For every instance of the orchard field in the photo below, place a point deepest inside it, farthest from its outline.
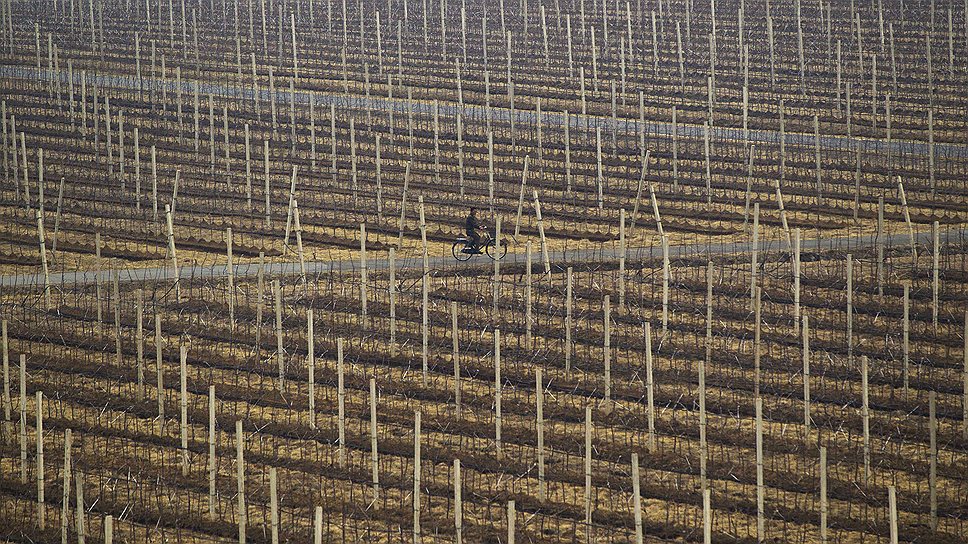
(733, 307)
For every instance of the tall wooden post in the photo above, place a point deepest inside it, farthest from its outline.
(496, 279)
(760, 488)
(7, 406)
(498, 385)
(935, 266)
(183, 407)
(374, 452)
(892, 509)
(588, 473)
(280, 351)
(666, 278)
(754, 253)
(340, 404)
(458, 513)
(159, 373)
(43, 257)
(964, 380)
(850, 308)
(539, 428)
(39, 469)
(363, 276)
(455, 358)
(636, 499)
(212, 459)
(806, 378)
(568, 319)
(650, 386)
(392, 288)
(66, 485)
(865, 416)
(933, 459)
(240, 480)
(796, 280)
(416, 477)
(823, 495)
(230, 277)
(528, 303)
(273, 506)
(607, 347)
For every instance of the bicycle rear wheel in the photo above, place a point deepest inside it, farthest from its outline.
(458, 251)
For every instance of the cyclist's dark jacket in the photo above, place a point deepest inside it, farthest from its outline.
(472, 225)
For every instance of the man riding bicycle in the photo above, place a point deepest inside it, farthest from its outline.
(471, 226)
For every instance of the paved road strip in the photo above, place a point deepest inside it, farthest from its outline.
(473, 111)
(314, 268)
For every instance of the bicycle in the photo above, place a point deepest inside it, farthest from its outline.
(463, 250)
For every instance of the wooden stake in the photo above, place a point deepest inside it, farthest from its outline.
(850, 308)
(650, 386)
(607, 348)
(528, 311)
(539, 428)
(171, 251)
(280, 352)
(636, 499)
(906, 335)
(311, 364)
(568, 319)
(159, 372)
(39, 470)
(458, 513)
(707, 517)
(823, 494)
(796, 280)
(363, 276)
(23, 418)
(666, 278)
(545, 258)
(183, 407)
(588, 473)
(416, 477)
(806, 378)
(393, 301)
(512, 515)
(935, 265)
(621, 258)
(43, 257)
(760, 488)
(374, 456)
(273, 506)
(66, 485)
(7, 406)
(212, 459)
(865, 415)
(524, 181)
(230, 273)
(933, 458)
(80, 515)
(341, 404)
(498, 384)
(892, 508)
(240, 480)
(964, 380)
(907, 219)
(754, 253)
(496, 278)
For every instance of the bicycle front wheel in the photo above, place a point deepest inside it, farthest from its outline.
(492, 250)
